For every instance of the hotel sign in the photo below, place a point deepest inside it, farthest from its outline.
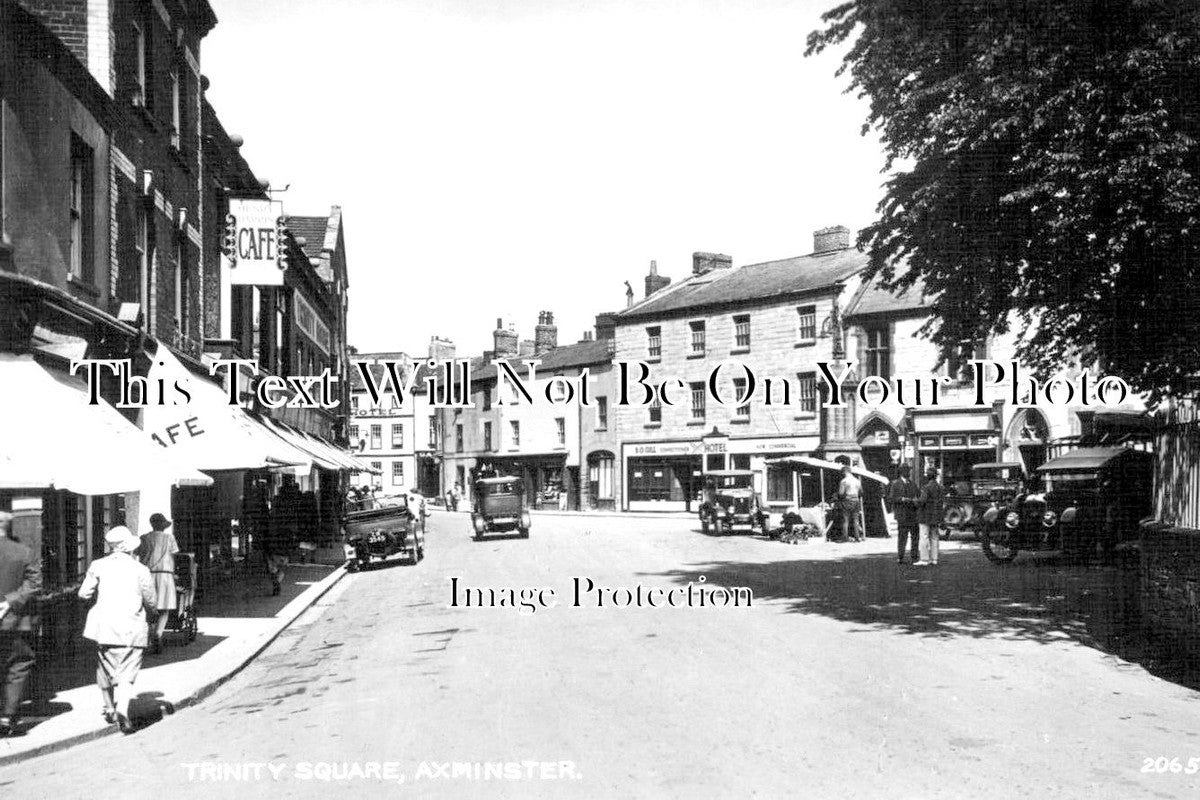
(253, 243)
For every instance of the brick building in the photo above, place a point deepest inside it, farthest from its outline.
(778, 318)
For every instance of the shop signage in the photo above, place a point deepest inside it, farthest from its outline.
(253, 234)
(667, 449)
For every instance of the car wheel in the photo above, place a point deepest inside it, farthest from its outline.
(996, 551)
(524, 533)
(719, 528)
(704, 525)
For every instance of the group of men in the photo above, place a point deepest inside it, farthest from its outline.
(918, 512)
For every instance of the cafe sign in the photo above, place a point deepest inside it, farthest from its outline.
(253, 243)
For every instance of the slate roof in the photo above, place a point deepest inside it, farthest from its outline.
(313, 230)
(752, 282)
(568, 356)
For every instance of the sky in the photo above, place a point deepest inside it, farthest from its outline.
(496, 159)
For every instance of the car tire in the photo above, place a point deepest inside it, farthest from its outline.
(996, 552)
(704, 525)
(524, 533)
(719, 528)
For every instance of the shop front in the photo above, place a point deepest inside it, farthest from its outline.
(669, 475)
(549, 482)
(954, 441)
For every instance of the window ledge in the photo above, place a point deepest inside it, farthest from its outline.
(811, 343)
(806, 416)
(696, 355)
(737, 351)
(654, 360)
(652, 425)
(697, 423)
(739, 421)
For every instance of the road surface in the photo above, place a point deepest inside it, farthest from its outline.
(849, 676)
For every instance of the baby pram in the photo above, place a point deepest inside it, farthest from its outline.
(183, 618)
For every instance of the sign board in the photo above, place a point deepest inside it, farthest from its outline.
(253, 233)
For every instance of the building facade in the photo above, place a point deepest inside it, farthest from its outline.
(766, 326)
(382, 429)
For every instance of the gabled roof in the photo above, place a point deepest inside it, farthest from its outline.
(752, 282)
(872, 298)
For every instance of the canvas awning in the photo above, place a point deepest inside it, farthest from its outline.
(50, 436)
(206, 431)
(347, 459)
(817, 463)
(315, 455)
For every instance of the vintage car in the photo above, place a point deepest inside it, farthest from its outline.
(377, 529)
(730, 503)
(991, 484)
(500, 506)
(1092, 499)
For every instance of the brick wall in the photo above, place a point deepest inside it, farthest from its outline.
(68, 19)
(1170, 590)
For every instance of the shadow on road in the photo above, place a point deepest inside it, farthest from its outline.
(1037, 598)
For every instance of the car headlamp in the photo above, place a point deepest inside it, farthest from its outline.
(1012, 519)
(1049, 519)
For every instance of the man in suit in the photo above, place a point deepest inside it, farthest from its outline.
(20, 580)
(902, 494)
(929, 516)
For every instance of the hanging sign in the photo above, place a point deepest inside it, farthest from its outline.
(253, 243)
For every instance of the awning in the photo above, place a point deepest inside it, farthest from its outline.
(817, 463)
(50, 436)
(315, 456)
(347, 459)
(206, 431)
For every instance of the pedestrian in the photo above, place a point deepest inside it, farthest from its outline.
(850, 501)
(929, 516)
(277, 550)
(157, 552)
(903, 494)
(124, 594)
(20, 580)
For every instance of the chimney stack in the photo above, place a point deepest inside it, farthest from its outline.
(829, 240)
(545, 335)
(654, 281)
(707, 262)
(441, 349)
(505, 340)
(606, 325)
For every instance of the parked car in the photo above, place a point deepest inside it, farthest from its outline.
(730, 503)
(1093, 498)
(991, 484)
(500, 506)
(379, 528)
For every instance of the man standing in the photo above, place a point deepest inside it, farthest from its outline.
(929, 516)
(20, 580)
(124, 593)
(850, 499)
(157, 552)
(902, 494)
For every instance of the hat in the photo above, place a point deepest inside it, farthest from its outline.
(122, 539)
(159, 522)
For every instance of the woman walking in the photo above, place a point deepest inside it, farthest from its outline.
(124, 593)
(158, 552)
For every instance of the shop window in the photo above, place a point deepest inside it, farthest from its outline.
(741, 412)
(806, 392)
(879, 351)
(487, 435)
(740, 460)
(376, 437)
(779, 485)
(697, 389)
(82, 180)
(561, 425)
(806, 324)
(516, 433)
(741, 332)
(654, 342)
(397, 473)
(398, 437)
(601, 413)
(698, 337)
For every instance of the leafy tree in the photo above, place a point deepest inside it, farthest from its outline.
(1045, 161)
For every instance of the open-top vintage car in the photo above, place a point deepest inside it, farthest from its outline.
(991, 484)
(731, 504)
(500, 506)
(377, 529)
(1093, 498)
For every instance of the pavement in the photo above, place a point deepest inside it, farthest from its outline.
(241, 618)
(848, 676)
